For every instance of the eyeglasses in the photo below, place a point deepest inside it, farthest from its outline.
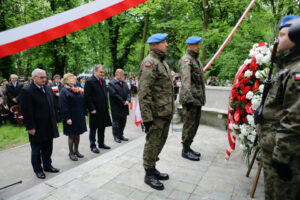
(42, 77)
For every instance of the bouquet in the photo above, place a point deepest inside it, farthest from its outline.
(245, 98)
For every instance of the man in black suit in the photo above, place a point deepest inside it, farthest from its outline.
(40, 117)
(95, 93)
(56, 86)
(120, 98)
(13, 90)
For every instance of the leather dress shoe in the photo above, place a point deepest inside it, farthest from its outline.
(40, 175)
(79, 155)
(195, 153)
(151, 180)
(189, 155)
(73, 157)
(95, 150)
(123, 138)
(117, 139)
(52, 170)
(161, 176)
(104, 146)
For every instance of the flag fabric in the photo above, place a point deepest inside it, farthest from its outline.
(39, 32)
(138, 115)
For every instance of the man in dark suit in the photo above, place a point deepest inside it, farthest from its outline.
(13, 90)
(120, 98)
(56, 86)
(40, 117)
(95, 93)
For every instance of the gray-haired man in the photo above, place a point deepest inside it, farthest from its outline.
(40, 117)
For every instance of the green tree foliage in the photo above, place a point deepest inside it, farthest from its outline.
(118, 41)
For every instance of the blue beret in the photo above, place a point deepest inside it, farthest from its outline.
(156, 38)
(284, 21)
(193, 40)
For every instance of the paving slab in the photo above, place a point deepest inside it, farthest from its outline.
(119, 174)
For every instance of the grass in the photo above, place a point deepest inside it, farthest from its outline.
(12, 135)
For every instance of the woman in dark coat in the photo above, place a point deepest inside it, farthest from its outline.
(73, 114)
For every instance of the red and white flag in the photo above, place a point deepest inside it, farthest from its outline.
(138, 115)
(36, 33)
(54, 89)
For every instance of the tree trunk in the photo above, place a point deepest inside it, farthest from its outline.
(114, 37)
(205, 24)
(6, 63)
(144, 36)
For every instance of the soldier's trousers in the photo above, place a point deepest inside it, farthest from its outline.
(191, 121)
(277, 189)
(155, 141)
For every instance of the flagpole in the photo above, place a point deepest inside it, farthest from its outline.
(229, 36)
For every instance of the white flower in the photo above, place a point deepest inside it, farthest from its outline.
(256, 100)
(243, 147)
(259, 74)
(248, 73)
(259, 58)
(247, 61)
(253, 53)
(261, 88)
(250, 120)
(266, 59)
(249, 95)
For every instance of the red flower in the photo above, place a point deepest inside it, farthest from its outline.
(244, 99)
(240, 76)
(244, 120)
(243, 112)
(234, 94)
(253, 67)
(254, 60)
(261, 44)
(238, 107)
(248, 108)
(237, 116)
(236, 86)
(255, 86)
(246, 90)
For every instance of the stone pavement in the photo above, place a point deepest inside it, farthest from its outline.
(119, 174)
(15, 162)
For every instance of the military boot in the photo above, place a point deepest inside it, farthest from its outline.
(152, 181)
(186, 153)
(195, 152)
(160, 176)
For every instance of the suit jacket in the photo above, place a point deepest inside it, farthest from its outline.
(13, 92)
(96, 99)
(118, 94)
(39, 112)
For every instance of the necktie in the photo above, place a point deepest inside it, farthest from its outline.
(100, 82)
(43, 89)
(120, 83)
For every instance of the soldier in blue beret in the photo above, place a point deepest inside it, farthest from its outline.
(192, 95)
(156, 104)
(280, 129)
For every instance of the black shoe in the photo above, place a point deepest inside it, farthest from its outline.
(189, 155)
(117, 139)
(104, 146)
(79, 155)
(40, 175)
(95, 150)
(161, 176)
(195, 153)
(123, 138)
(73, 157)
(151, 180)
(52, 170)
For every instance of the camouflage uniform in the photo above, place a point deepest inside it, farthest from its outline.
(156, 103)
(280, 131)
(192, 91)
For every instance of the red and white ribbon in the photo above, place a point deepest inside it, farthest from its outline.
(229, 36)
(138, 115)
(30, 35)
